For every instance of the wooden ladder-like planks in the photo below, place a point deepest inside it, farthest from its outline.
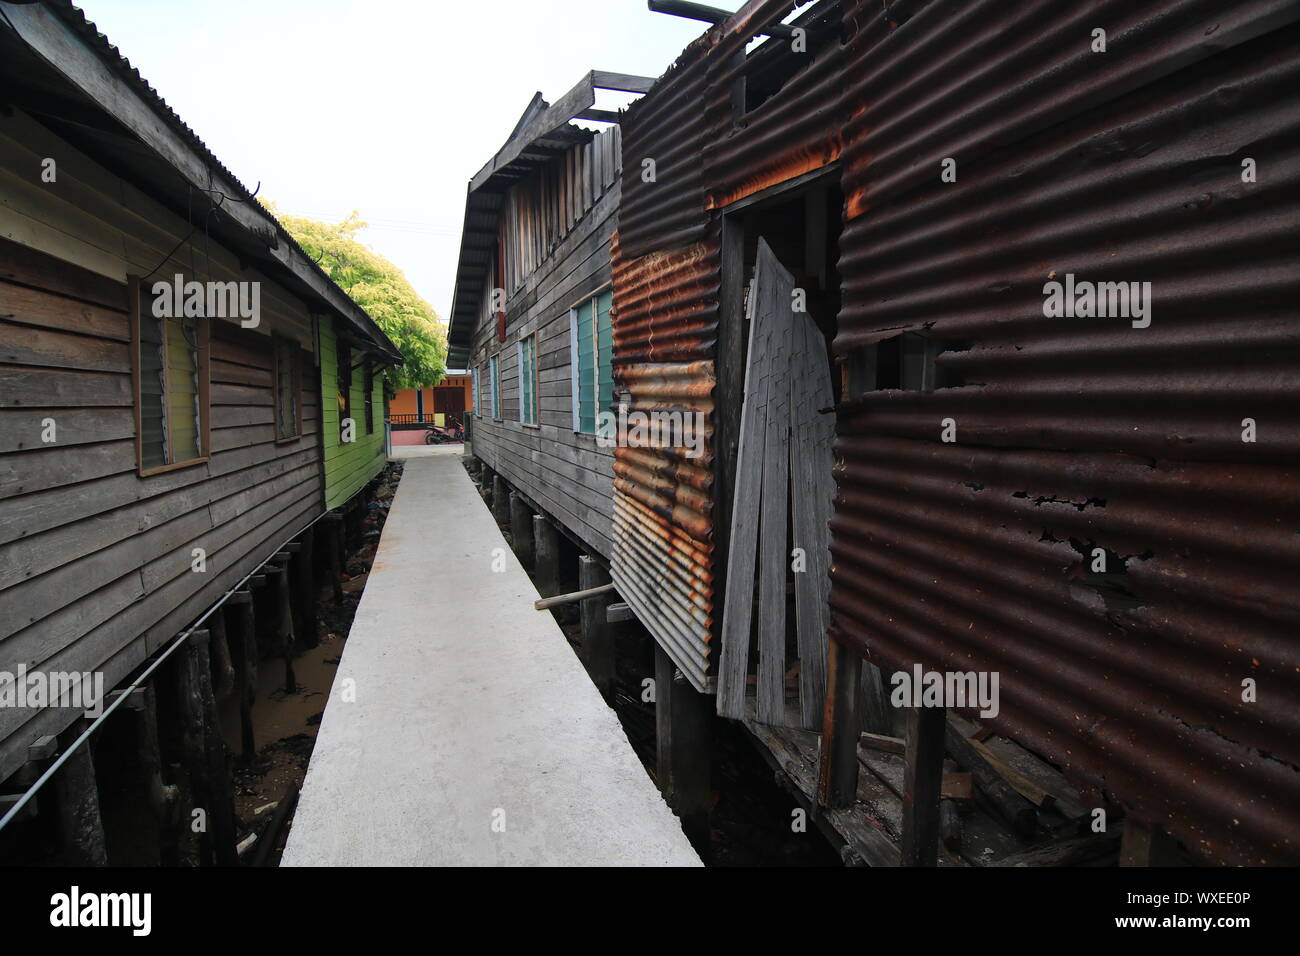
(785, 441)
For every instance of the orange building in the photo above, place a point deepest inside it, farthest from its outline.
(452, 398)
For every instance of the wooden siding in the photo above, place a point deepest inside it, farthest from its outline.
(95, 561)
(348, 467)
(562, 472)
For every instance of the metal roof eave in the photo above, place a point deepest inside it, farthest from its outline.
(71, 47)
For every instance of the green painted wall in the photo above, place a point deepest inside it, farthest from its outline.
(348, 466)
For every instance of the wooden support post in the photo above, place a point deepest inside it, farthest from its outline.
(304, 578)
(521, 530)
(334, 545)
(837, 783)
(500, 501)
(80, 823)
(597, 633)
(163, 799)
(245, 654)
(682, 734)
(922, 776)
(949, 818)
(279, 569)
(877, 715)
(546, 555)
(205, 753)
(223, 672)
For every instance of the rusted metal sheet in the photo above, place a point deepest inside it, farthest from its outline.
(666, 127)
(665, 304)
(665, 329)
(1079, 434)
(796, 130)
(663, 518)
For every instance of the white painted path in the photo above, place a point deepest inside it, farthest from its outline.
(470, 707)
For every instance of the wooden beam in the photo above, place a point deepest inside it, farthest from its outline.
(623, 82)
(706, 14)
(545, 604)
(599, 116)
(922, 780)
(837, 784)
(1010, 805)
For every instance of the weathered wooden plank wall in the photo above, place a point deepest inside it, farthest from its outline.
(95, 561)
(561, 471)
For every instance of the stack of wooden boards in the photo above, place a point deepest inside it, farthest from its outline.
(783, 501)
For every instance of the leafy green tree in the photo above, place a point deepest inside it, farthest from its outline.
(382, 290)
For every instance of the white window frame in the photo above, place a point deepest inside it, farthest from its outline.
(519, 359)
(494, 385)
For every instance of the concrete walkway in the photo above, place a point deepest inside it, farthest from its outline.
(475, 737)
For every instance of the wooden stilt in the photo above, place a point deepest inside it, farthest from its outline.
(161, 799)
(279, 569)
(334, 545)
(682, 734)
(837, 784)
(305, 590)
(922, 776)
(223, 672)
(205, 752)
(500, 501)
(80, 823)
(546, 556)
(597, 633)
(521, 530)
(244, 642)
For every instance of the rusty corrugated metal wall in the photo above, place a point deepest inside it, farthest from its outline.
(1077, 434)
(796, 131)
(665, 334)
(1072, 434)
(666, 285)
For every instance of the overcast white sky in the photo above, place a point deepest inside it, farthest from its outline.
(384, 106)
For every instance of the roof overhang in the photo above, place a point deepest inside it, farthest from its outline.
(542, 133)
(57, 66)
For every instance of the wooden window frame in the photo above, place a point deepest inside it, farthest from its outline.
(343, 388)
(368, 401)
(537, 384)
(295, 373)
(203, 372)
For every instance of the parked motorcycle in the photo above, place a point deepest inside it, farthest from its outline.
(444, 434)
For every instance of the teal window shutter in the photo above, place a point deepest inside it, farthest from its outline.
(587, 361)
